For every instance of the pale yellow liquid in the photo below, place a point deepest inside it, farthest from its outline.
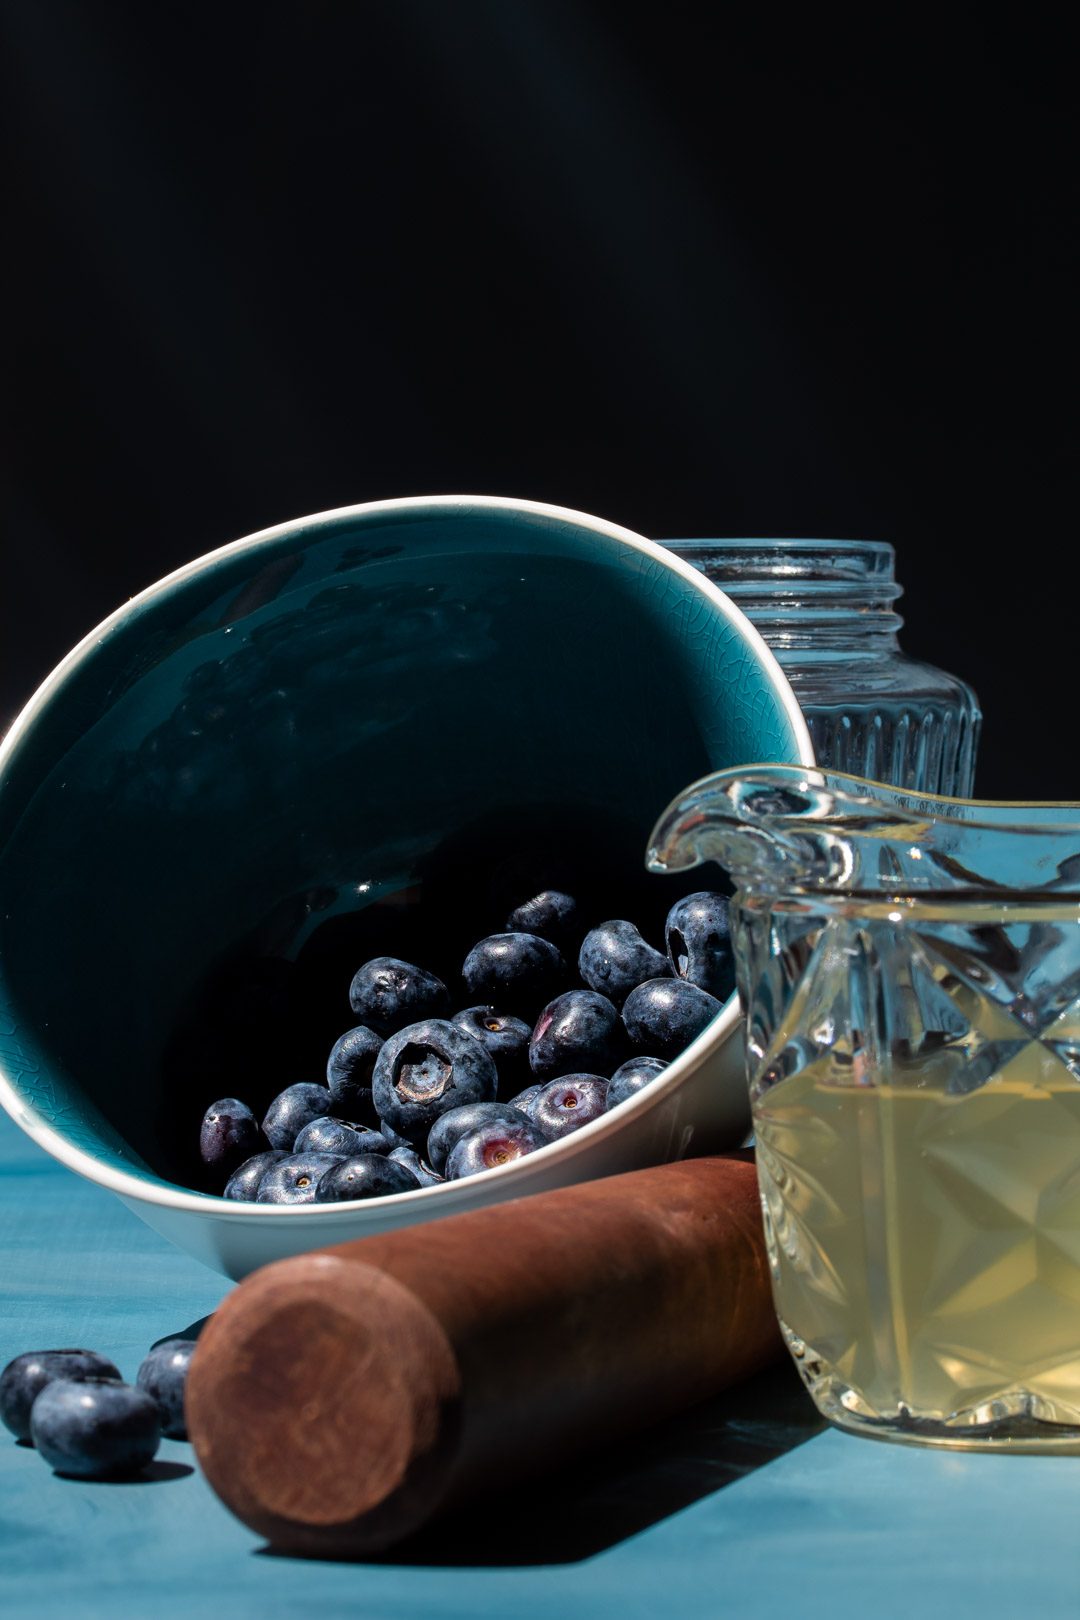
(925, 1247)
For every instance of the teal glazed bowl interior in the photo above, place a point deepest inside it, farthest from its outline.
(323, 743)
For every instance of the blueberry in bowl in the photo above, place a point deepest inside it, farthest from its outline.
(504, 1037)
(348, 1074)
(450, 1127)
(631, 1077)
(579, 1030)
(698, 939)
(551, 914)
(566, 1104)
(366, 1175)
(292, 829)
(425, 1070)
(662, 1016)
(338, 1136)
(614, 959)
(519, 971)
(292, 1109)
(387, 994)
(493, 1144)
(295, 1178)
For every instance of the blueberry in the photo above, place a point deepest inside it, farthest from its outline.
(698, 934)
(291, 1110)
(367, 1175)
(23, 1379)
(550, 914)
(614, 959)
(486, 1146)
(630, 1077)
(229, 1134)
(162, 1375)
(294, 1179)
(523, 1100)
(337, 1136)
(425, 1175)
(578, 1030)
(243, 1184)
(517, 971)
(505, 1038)
(566, 1104)
(348, 1074)
(392, 1139)
(387, 993)
(450, 1127)
(426, 1069)
(95, 1428)
(662, 1016)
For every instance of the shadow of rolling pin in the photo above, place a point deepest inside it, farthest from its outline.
(341, 1400)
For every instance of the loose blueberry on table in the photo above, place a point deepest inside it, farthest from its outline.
(162, 1375)
(23, 1380)
(81, 1417)
(95, 1428)
(417, 1094)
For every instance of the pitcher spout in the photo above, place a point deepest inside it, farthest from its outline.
(763, 823)
(784, 827)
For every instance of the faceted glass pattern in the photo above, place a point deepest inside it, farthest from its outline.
(913, 1053)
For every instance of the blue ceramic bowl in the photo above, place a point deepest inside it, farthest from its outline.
(320, 744)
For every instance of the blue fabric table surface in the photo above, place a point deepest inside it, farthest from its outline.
(745, 1507)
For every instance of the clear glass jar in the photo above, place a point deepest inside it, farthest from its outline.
(827, 610)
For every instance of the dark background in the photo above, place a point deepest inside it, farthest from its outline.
(741, 274)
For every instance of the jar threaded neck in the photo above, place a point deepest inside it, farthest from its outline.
(806, 593)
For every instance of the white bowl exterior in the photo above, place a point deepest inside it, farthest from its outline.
(702, 1109)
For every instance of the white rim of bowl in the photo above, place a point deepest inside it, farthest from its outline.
(129, 1184)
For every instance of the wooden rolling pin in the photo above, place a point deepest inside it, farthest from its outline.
(339, 1400)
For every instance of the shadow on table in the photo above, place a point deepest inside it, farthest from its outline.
(192, 1331)
(582, 1511)
(158, 1472)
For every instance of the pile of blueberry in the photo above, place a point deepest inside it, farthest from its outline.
(417, 1095)
(74, 1407)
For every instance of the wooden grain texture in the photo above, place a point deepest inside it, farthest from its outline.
(341, 1399)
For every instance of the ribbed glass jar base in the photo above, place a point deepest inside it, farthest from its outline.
(827, 610)
(927, 750)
